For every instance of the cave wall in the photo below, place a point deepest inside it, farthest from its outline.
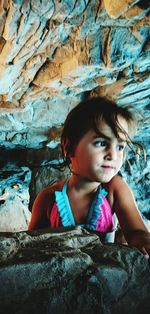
(52, 55)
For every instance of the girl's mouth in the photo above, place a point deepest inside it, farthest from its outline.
(108, 167)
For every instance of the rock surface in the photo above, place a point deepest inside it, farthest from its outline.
(14, 198)
(52, 52)
(71, 272)
(52, 55)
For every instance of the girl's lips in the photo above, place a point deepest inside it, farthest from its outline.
(108, 167)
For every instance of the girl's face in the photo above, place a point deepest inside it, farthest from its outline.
(98, 158)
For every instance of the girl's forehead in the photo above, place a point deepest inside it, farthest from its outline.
(105, 130)
(121, 123)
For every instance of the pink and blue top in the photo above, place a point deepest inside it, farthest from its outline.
(100, 216)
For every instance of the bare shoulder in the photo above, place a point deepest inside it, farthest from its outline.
(42, 205)
(48, 191)
(117, 186)
(115, 183)
(124, 205)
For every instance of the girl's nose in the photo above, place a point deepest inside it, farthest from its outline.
(111, 153)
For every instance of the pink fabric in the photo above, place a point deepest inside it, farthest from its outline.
(100, 216)
(55, 220)
(104, 222)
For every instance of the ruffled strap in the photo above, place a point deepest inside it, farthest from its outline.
(99, 216)
(95, 210)
(64, 207)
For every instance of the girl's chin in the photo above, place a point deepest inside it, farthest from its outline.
(106, 178)
(101, 177)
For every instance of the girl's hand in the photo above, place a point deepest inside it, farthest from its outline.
(141, 240)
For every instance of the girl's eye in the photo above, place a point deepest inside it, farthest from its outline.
(121, 147)
(100, 143)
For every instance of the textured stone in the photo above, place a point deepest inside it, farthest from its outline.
(127, 8)
(14, 198)
(71, 270)
(54, 53)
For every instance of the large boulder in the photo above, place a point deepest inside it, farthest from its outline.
(71, 271)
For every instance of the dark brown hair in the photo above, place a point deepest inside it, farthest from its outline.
(87, 115)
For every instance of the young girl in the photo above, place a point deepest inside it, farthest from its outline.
(94, 143)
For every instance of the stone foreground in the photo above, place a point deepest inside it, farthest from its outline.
(52, 55)
(71, 272)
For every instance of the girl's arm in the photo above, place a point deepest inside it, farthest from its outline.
(130, 220)
(39, 218)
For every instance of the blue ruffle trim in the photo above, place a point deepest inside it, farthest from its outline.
(66, 212)
(95, 209)
(64, 207)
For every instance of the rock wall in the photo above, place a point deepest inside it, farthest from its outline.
(71, 272)
(14, 198)
(52, 55)
(52, 52)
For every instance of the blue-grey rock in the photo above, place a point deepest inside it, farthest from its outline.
(14, 198)
(72, 272)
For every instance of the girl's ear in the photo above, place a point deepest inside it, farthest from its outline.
(65, 147)
(68, 149)
(72, 153)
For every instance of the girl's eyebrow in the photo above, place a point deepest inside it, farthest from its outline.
(102, 135)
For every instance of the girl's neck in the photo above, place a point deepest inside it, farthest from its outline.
(82, 185)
